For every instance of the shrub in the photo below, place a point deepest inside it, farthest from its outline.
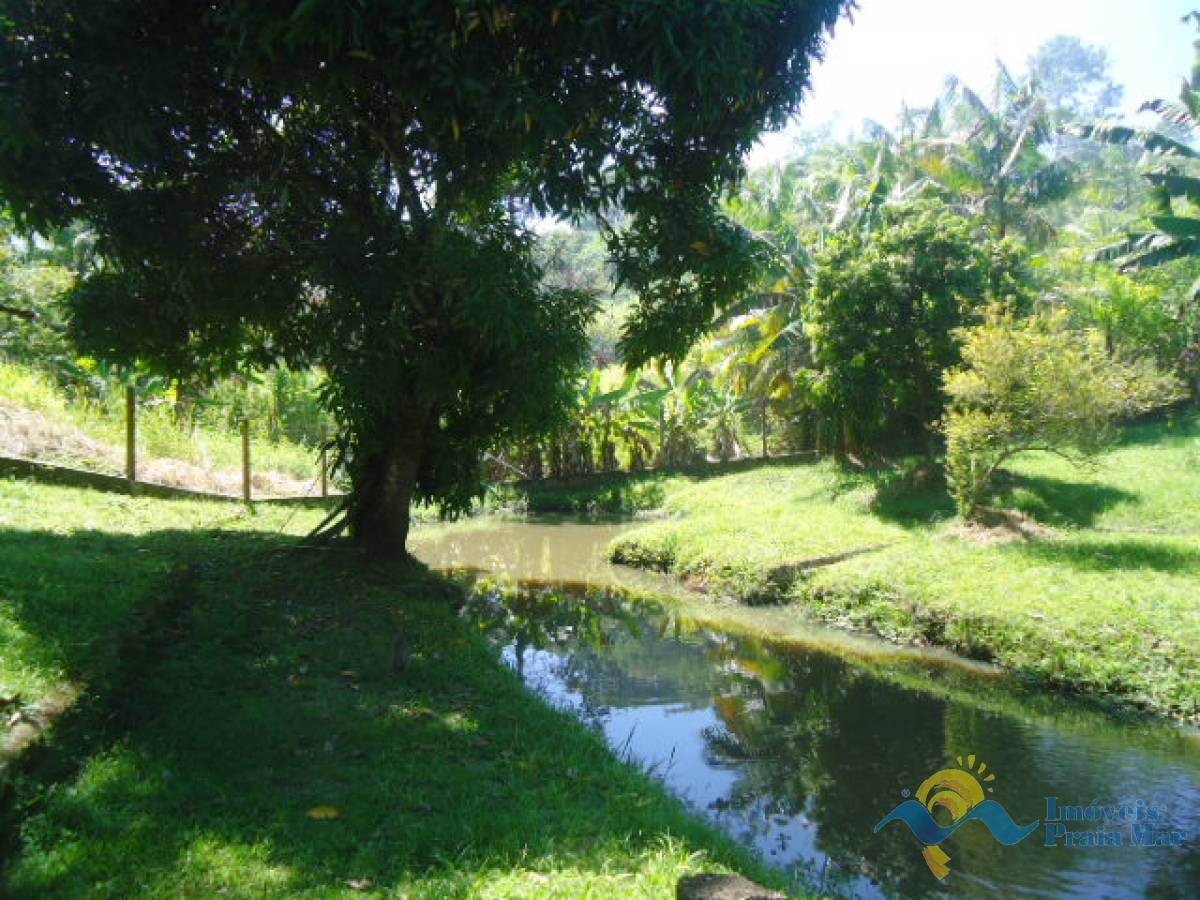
(1036, 385)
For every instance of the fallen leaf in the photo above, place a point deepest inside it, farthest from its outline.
(324, 812)
(360, 884)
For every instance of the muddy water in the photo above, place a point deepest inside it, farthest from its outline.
(799, 749)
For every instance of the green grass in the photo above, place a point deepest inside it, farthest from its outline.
(159, 435)
(75, 574)
(248, 682)
(1103, 599)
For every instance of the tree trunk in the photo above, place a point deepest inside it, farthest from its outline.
(379, 509)
(848, 444)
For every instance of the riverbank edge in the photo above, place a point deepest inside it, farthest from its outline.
(947, 676)
(883, 612)
(243, 580)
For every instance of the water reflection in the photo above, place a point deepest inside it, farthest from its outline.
(799, 753)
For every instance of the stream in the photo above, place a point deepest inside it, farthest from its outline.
(797, 748)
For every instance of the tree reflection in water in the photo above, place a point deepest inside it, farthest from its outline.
(799, 753)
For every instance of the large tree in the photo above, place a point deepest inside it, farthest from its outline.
(1075, 78)
(345, 183)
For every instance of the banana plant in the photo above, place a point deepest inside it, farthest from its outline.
(637, 423)
(985, 156)
(682, 409)
(1170, 152)
(605, 423)
(726, 408)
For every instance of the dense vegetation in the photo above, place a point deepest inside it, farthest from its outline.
(880, 256)
(873, 259)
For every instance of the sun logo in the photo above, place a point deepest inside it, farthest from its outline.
(961, 792)
(957, 791)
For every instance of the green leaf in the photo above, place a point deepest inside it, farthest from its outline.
(1177, 226)
(1121, 135)
(1176, 185)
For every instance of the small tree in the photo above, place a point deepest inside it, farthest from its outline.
(1036, 385)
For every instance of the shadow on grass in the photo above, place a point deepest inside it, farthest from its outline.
(911, 496)
(613, 493)
(907, 492)
(1110, 555)
(1160, 427)
(71, 597)
(262, 687)
(1055, 502)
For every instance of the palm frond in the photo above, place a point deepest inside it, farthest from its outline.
(1154, 142)
(1176, 185)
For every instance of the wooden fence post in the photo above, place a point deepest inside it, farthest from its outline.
(324, 466)
(764, 429)
(246, 459)
(130, 434)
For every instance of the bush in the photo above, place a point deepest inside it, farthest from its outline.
(884, 312)
(1037, 385)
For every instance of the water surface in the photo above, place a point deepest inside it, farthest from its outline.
(798, 750)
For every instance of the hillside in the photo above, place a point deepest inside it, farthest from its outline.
(242, 725)
(38, 423)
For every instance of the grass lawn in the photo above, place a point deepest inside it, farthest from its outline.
(1104, 598)
(245, 733)
(81, 569)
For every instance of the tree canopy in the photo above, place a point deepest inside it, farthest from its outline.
(348, 184)
(1075, 78)
(883, 311)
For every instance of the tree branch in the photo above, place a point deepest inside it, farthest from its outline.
(30, 316)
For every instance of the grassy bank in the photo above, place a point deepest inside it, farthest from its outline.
(38, 422)
(1093, 586)
(244, 730)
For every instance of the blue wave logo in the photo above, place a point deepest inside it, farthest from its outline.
(961, 793)
(994, 816)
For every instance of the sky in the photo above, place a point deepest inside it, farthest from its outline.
(897, 51)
